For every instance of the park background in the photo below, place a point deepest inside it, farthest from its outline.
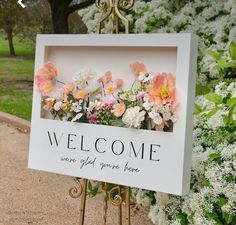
(212, 199)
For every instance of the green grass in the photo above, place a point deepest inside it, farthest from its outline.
(17, 69)
(17, 102)
(22, 48)
(15, 76)
(15, 93)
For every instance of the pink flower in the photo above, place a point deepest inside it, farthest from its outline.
(162, 91)
(137, 68)
(108, 102)
(108, 105)
(141, 94)
(92, 118)
(45, 78)
(119, 109)
(57, 106)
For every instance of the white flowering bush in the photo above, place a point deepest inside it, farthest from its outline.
(213, 21)
(212, 199)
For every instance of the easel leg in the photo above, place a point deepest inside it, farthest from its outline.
(120, 208)
(83, 202)
(127, 205)
(105, 204)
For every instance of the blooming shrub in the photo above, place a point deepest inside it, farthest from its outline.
(213, 22)
(212, 199)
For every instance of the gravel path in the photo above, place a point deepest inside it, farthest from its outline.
(39, 198)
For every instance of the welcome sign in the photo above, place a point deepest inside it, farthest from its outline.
(94, 128)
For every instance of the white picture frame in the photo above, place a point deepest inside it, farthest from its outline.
(166, 162)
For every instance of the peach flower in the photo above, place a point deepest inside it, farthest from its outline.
(162, 91)
(45, 78)
(80, 94)
(106, 78)
(119, 109)
(160, 127)
(118, 83)
(110, 89)
(68, 88)
(49, 104)
(137, 67)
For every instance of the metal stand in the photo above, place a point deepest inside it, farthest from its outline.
(114, 195)
(112, 8)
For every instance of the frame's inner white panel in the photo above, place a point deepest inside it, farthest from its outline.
(70, 59)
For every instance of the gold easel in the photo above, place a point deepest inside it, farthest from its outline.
(111, 8)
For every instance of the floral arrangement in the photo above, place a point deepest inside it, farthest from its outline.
(149, 104)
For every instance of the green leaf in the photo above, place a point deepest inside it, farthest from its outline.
(231, 103)
(214, 98)
(198, 109)
(90, 187)
(234, 155)
(230, 178)
(228, 217)
(212, 112)
(205, 182)
(214, 55)
(118, 123)
(211, 215)
(223, 64)
(232, 50)
(218, 222)
(182, 217)
(214, 156)
(221, 201)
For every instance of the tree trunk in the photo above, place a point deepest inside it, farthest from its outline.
(59, 17)
(9, 32)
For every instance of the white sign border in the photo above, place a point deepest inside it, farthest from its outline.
(186, 66)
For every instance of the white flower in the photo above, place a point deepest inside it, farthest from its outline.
(147, 105)
(91, 106)
(166, 112)
(77, 117)
(132, 98)
(83, 77)
(76, 107)
(145, 77)
(232, 89)
(158, 216)
(133, 117)
(156, 117)
(93, 86)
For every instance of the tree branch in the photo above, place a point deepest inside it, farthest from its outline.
(81, 5)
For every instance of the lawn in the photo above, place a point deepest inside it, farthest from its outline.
(16, 79)
(22, 49)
